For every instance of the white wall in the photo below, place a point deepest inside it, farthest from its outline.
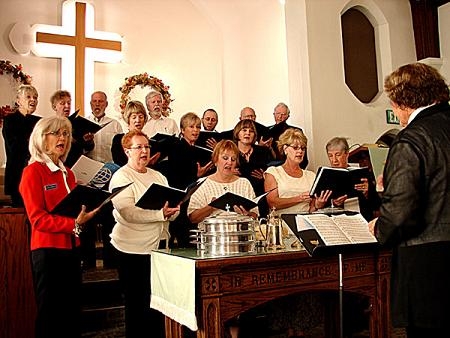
(212, 53)
(333, 110)
(228, 54)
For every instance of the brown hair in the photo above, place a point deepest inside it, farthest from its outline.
(134, 107)
(416, 85)
(188, 118)
(126, 139)
(223, 146)
(58, 95)
(244, 124)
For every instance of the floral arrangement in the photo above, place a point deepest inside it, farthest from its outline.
(4, 110)
(144, 80)
(15, 70)
(6, 67)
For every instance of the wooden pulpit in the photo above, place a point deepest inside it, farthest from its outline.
(17, 301)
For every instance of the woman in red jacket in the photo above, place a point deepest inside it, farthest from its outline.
(55, 259)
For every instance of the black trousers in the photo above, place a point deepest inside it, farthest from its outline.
(421, 332)
(140, 319)
(57, 286)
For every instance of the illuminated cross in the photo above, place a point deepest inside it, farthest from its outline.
(77, 32)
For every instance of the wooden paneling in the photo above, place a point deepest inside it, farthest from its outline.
(17, 302)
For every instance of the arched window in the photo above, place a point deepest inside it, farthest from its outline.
(360, 60)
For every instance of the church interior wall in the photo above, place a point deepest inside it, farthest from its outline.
(210, 53)
(335, 110)
(231, 54)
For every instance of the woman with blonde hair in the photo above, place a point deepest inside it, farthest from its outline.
(16, 131)
(55, 258)
(293, 183)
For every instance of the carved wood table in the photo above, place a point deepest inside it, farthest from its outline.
(228, 286)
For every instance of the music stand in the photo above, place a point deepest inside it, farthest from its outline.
(316, 247)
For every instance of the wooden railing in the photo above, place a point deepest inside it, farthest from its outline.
(17, 302)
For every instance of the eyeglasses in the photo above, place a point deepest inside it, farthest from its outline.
(59, 133)
(280, 114)
(296, 148)
(140, 147)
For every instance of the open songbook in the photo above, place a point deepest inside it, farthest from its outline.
(93, 179)
(157, 195)
(94, 173)
(321, 233)
(85, 169)
(229, 199)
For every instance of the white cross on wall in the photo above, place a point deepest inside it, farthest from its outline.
(78, 46)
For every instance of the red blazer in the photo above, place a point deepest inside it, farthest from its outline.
(41, 191)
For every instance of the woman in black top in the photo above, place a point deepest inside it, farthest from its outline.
(136, 116)
(253, 159)
(185, 166)
(17, 128)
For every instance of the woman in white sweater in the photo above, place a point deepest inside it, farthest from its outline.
(225, 158)
(136, 233)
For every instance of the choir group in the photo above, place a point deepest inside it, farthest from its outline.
(247, 160)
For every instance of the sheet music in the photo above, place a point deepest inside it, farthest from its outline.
(337, 230)
(355, 227)
(85, 169)
(327, 229)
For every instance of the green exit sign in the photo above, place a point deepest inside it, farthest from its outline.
(391, 118)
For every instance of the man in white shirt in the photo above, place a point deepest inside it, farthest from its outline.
(158, 123)
(103, 138)
(102, 153)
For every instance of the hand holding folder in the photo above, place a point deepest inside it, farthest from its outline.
(91, 197)
(81, 126)
(341, 181)
(228, 200)
(157, 195)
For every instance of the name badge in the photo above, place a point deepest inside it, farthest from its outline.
(50, 186)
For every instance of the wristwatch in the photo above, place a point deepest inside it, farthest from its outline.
(77, 230)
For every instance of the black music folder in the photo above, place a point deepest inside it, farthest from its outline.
(81, 126)
(205, 135)
(162, 143)
(202, 155)
(89, 196)
(329, 234)
(157, 195)
(229, 199)
(340, 180)
(261, 130)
